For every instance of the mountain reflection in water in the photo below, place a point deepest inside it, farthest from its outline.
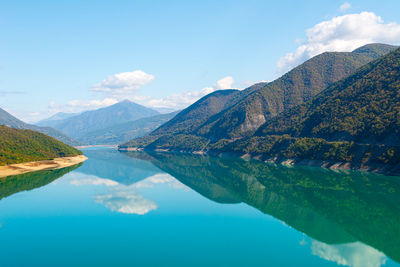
(335, 208)
(350, 218)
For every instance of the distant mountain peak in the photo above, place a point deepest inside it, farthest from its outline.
(126, 101)
(93, 120)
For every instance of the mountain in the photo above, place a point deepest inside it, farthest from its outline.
(89, 121)
(355, 120)
(123, 132)
(18, 146)
(364, 108)
(55, 119)
(295, 87)
(194, 116)
(236, 114)
(9, 120)
(189, 119)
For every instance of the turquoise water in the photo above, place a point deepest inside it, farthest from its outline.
(141, 209)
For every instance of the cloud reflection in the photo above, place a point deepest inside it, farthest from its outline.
(126, 201)
(353, 254)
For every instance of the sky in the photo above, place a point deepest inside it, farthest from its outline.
(71, 56)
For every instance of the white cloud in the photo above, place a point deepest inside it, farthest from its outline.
(126, 201)
(345, 6)
(342, 33)
(184, 99)
(174, 101)
(34, 114)
(77, 105)
(92, 103)
(225, 83)
(353, 254)
(123, 82)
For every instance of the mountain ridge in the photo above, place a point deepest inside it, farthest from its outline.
(88, 121)
(56, 118)
(245, 111)
(9, 120)
(355, 123)
(295, 87)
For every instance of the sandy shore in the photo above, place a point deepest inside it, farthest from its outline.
(57, 163)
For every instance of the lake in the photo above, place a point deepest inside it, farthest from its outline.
(161, 209)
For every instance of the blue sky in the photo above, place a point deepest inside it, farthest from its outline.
(62, 55)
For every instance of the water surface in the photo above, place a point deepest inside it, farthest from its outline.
(155, 209)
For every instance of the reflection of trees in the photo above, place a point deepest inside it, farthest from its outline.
(28, 181)
(332, 207)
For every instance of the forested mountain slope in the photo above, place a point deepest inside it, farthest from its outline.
(295, 87)
(237, 114)
(18, 146)
(356, 120)
(364, 108)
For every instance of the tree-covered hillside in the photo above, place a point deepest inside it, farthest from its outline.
(18, 146)
(192, 117)
(364, 108)
(355, 120)
(295, 87)
(195, 115)
(238, 114)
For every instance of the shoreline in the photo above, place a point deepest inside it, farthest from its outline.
(88, 146)
(390, 170)
(32, 166)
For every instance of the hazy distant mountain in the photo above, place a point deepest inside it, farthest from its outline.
(113, 165)
(123, 132)
(233, 114)
(9, 120)
(56, 118)
(89, 121)
(165, 110)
